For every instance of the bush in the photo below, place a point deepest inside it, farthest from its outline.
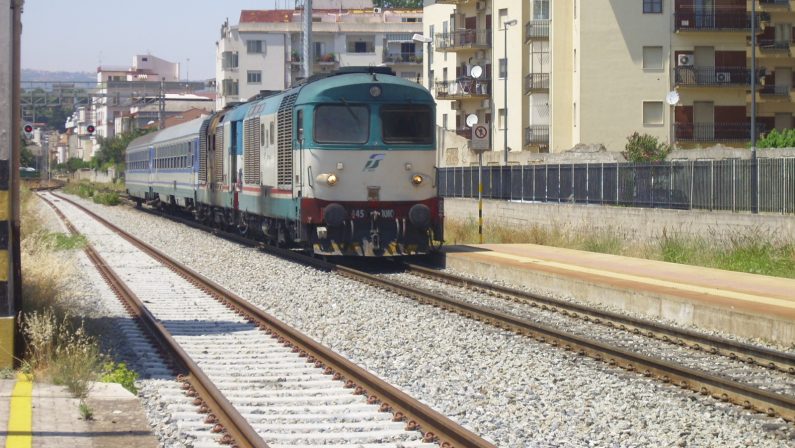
(645, 148)
(119, 373)
(106, 198)
(776, 139)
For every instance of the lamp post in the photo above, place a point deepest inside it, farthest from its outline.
(427, 56)
(754, 174)
(505, 26)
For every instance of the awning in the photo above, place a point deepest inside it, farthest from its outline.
(399, 37)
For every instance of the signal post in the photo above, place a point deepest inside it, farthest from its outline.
(479, 144)
(10, 129)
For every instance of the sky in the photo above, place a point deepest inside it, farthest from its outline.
(60, 35)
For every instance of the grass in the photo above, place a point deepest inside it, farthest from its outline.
(755, 253)
(106, 194)
(59, 348)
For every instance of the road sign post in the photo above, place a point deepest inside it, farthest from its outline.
(480, 144)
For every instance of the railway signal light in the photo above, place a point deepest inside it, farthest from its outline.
(28, 129)
(90, 129)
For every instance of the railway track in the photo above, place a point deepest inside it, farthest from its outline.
(258, 378)
(716, 385)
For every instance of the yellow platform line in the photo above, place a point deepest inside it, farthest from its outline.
(20, 420)
(652, 281)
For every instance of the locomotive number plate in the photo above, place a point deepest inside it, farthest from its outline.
(360, 213)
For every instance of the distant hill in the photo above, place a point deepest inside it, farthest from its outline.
(38, 76)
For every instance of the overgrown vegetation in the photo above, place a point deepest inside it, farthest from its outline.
(756, 253)
(119, 373)
(106, 194)
(645, 148)
(59, 347)
(778, 139)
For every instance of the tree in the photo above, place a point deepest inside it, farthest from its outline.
(407, 4)
(645, 148)
(776, 139)
(112, 149)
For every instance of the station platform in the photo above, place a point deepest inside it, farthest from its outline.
(745, 305)
(46, 416)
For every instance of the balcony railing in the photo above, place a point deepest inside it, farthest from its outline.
(463, 88)
(464, 132)
(463, 40)
(775, 3)
(451, 2)
(536, 135)
(712, 76)
(536, 29)
(402, 58)
(774, 45)
(715, 21)
(782, 91)
(713, 132)
(536, 82)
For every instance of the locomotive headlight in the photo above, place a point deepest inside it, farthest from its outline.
(416, 179)
(375, 91)
(331, 179)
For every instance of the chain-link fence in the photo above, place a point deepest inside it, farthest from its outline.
(708, 185)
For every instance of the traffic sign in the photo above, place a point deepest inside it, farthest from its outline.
(480, 138)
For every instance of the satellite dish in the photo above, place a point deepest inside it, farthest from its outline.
(476, 72)
(672, 98)
(472, 120)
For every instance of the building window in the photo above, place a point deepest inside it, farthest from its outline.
(652, 6)
(501, 119)
(229, 60)
(503, 68)
(541, 9)
(254, 77)
(652, 58)
(652, 113)
(254, 46)
(503, 16)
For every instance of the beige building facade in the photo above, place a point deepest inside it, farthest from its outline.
(595, 71)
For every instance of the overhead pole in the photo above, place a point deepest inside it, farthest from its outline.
(307, 38)
(754, 161)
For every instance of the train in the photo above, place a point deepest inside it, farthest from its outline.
(340, 165)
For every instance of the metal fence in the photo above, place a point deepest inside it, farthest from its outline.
(707, 185)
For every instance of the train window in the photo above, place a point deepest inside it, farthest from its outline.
(407, 124)
(342, 123)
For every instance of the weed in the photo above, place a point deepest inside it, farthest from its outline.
(107, 198)
(119, 373)
(85, 411)
(63, 241)
(7, 373)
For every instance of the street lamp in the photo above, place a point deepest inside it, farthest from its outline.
(505, 26)
(754, 174)
(427, 57)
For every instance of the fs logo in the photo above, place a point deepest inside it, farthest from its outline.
(373, 163)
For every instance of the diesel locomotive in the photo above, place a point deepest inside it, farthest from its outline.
(342, 164)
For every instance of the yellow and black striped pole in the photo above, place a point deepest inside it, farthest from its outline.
(10, 277)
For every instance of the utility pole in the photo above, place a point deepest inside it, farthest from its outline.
(307, 41)
(10, 128)
(754, 161)
(161, 105)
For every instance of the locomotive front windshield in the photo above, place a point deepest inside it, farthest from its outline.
(342, 123)
(407, 124)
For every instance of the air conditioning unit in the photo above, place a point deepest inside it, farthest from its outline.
(480, 6)
(455, 105)
(685, 60)
(377, 10)
(723, 77)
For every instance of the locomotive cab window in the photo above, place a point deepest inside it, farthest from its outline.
(407, 124)
(342, 123)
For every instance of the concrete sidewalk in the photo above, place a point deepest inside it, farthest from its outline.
(118, 418)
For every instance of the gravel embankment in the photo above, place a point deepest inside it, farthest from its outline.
(514, 391)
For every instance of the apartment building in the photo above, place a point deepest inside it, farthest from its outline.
(563, 73)
(263, 52)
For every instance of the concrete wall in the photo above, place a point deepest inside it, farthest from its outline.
(633, 224)
(103, 177)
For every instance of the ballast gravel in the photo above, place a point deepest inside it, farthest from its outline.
(509, 389)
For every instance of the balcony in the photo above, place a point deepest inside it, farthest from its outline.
(715, 21)
(451, 2)
(775, 92)
(536, 83)
(402, 58)
(775, 4)
(463, 40)
(715, 132)
(688, 76)
(536, 30)
(463, 88)
(773, 46)
(464, 132)
(536, 135)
